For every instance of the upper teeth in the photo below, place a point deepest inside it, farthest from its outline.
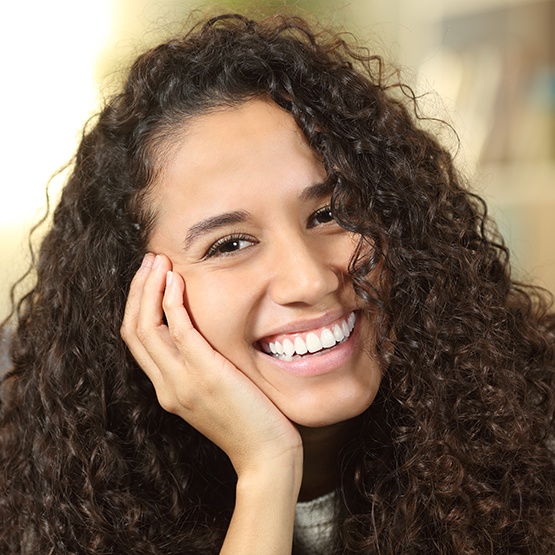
(314, 342)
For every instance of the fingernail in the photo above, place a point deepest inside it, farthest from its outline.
(157, 261)
(147, 260)
(169, 278)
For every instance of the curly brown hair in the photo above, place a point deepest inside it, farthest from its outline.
(453, 457)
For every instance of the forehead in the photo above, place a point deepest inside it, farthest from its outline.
(231, 153)
(235, 133)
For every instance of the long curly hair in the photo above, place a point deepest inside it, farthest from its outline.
(455, 454)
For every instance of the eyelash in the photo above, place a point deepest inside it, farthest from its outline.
(216, 248)
(320, 211)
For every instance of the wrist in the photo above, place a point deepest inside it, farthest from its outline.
(278, 475)
(264, 513)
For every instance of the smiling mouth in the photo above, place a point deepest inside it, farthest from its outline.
(317, 342)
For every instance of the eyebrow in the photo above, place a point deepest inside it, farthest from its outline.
(212, 223)
(316, 191)
(312, 192)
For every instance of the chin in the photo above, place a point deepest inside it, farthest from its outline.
(329, 415)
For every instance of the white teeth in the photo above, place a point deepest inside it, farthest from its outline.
(313, 343)
(300, 346)
(327, 338)
(345, 328)
(288, 348)
(338, 333)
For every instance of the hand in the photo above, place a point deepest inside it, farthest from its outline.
(197, 383)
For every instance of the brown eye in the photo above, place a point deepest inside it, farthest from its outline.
(322, 216)
(229, 245)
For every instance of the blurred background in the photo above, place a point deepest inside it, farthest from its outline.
(488, 64)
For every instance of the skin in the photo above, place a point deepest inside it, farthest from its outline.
(278, 265)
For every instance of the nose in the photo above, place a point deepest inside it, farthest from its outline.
(302, 272)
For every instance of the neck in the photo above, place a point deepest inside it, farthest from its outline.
(321, 447)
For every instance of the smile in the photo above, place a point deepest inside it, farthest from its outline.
(290, 347)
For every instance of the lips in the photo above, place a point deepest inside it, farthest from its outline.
(292, 346)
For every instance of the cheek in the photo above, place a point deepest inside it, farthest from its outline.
(341, 249)
(217, 310)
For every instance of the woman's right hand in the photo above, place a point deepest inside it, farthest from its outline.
(197, 383)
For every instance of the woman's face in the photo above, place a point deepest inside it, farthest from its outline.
(243, 213)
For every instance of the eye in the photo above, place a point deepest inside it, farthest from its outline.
(228, 245)
(322, 216)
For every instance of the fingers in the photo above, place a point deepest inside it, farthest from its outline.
(135, 292)
(183, 334)
(162, 350)
(143, 323)
(150, 310)
(128, 329)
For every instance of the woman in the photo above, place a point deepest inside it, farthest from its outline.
(269, 317)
